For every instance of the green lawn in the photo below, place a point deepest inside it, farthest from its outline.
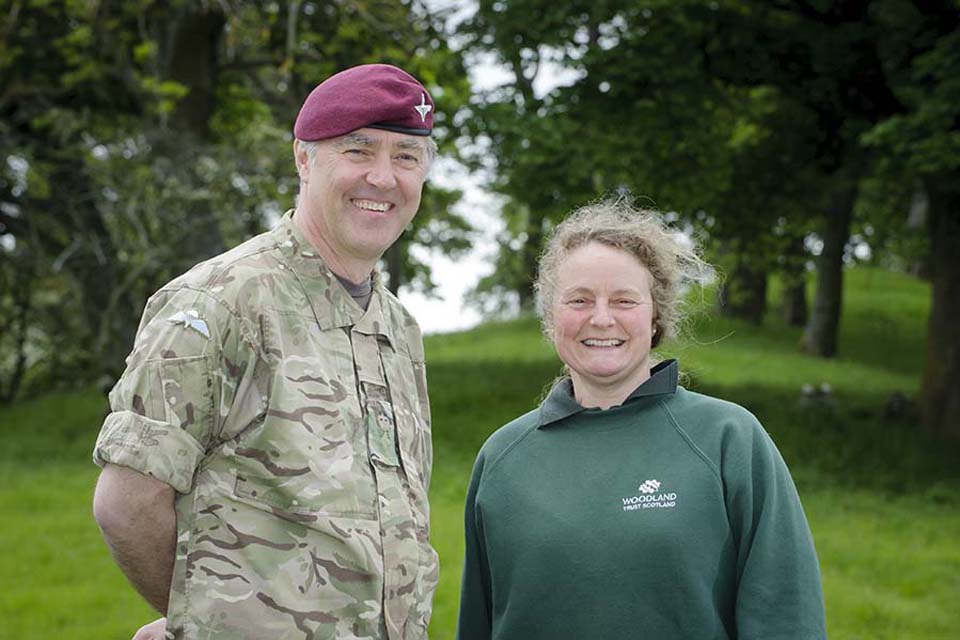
(883, 500)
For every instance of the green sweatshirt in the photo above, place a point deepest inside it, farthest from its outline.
(671, 516)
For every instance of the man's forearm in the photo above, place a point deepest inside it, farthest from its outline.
(147, 564)
(139, 524)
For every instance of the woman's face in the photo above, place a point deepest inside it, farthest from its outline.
(603, 320)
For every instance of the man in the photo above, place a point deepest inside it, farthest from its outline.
(267, 458)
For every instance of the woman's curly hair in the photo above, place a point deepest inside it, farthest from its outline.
(670, 256)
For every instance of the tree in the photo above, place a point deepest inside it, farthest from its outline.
(608, 131)
(664, 91)
(923, 145)
(139, 138)
(643, 114)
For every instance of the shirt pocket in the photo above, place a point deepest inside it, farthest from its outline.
(310, 456)
(307, 476)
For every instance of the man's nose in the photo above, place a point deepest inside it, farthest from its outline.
(381, 174)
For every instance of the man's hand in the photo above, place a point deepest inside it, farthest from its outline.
(156, 630)
(138, 521)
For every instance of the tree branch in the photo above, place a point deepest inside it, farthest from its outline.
(292, 16)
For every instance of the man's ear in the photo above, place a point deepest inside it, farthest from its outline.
(302, 160)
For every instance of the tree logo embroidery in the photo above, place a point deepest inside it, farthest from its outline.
(650, 497)
(649, 486)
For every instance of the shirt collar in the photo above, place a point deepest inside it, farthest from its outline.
(560, 402)
(331, 303)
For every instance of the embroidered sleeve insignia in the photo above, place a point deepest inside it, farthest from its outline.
(190, 319)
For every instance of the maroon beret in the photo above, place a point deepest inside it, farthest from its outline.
(371, 95)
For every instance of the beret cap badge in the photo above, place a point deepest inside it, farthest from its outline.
(423, 108)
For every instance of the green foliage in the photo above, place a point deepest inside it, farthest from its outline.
(646, 114)
(140, 139)
(748, 111)
(926, 139)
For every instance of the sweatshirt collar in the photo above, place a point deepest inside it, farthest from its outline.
(560, 402)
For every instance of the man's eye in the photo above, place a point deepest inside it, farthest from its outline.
(626, 302)
(355, 152)
(577, 302)
(408, 159)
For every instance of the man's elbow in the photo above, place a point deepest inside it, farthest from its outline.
(107, 507)
(124, 497)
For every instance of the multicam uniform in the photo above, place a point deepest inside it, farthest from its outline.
(295, 429)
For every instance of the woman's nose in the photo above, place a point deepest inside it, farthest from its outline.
(601, 315)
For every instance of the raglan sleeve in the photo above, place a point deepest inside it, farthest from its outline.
(474, 620)
(180, 381)
(779, 593)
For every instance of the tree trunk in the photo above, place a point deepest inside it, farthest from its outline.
(744, 294)
(794, 305)
(20, 326)
(193, 63)
(394, 260)
(531, 257)
(794, 296)
(820, 336)
(940, 390)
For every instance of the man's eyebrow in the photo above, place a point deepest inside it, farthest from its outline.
(410, 144)
(355, 138)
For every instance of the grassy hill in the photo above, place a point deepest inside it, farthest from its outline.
(882, 499)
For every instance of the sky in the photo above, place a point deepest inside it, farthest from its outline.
(455, 278)
(446, 311)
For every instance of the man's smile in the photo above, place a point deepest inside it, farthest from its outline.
(371, 205)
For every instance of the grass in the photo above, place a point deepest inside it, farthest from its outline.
(883, 500)
(891, 565)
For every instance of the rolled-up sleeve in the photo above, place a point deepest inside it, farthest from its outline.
(165, 407)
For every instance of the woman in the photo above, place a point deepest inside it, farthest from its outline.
(625, 506)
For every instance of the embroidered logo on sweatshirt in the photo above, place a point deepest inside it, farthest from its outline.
(649, 486)
(650, 497)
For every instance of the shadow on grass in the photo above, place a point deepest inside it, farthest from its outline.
(471, 400)
(872, 340)
(852, 440)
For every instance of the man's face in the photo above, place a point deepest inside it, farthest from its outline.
(362, 189)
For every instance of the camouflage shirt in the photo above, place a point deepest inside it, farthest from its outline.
(295, 429)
